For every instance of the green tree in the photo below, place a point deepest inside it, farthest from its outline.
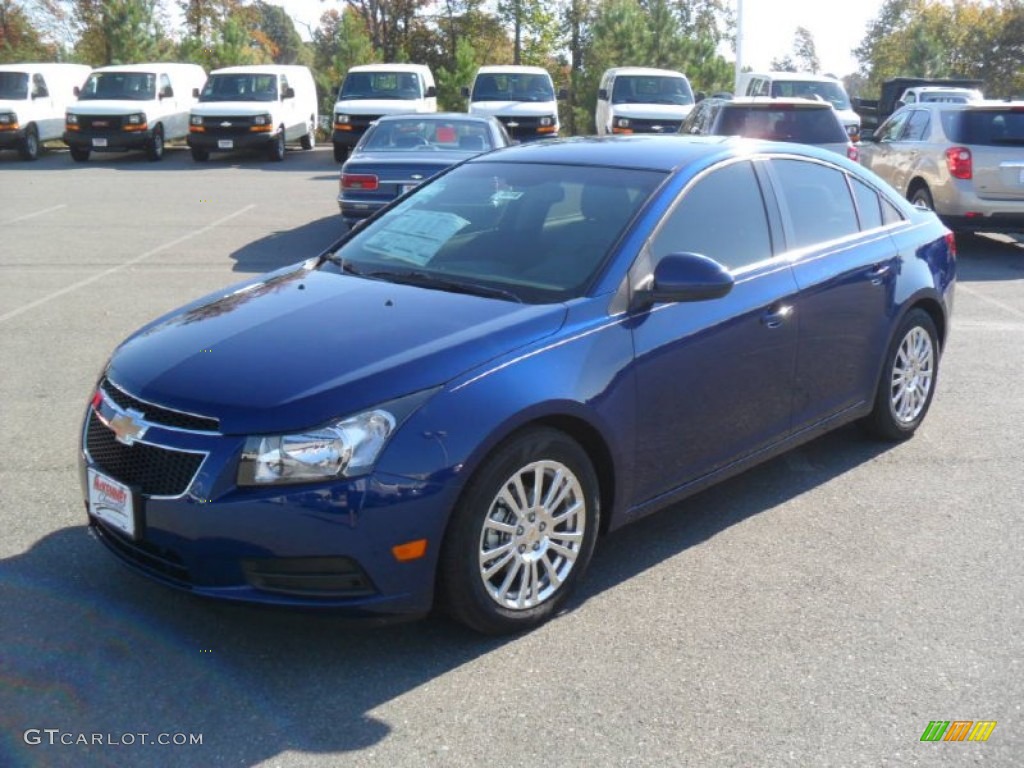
(339, 43)
(120, 32)
(274, 31)
(803, 57)
(450, 81)
(19, 39)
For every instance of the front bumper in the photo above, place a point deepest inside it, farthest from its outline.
(108, 141)
(348, 138)
(215, 143)
(326, 545)
(12, 138)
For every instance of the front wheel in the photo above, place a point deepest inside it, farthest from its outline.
(908, 379)
(522, 535)
(155, 149)
(29, 149)
(277, 147)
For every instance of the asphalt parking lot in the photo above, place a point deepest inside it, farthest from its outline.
(819, 610)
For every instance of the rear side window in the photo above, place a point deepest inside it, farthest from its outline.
(722, 217)
(990, 127)
(818, 200)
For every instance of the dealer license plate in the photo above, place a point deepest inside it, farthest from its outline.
(225, 144)
(99, 142)
(112, 502)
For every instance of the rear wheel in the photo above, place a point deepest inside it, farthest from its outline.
(309, 140)
(922, 197)
(29, 149)
(522, 535)
(80, 154)
(908, 379)
(277, 146)
(155, 148)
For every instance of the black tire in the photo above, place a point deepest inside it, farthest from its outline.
(528, 540)
(340, 153)
(80, 154)
(309, 140)
(29, 149)
(155, 148)
(200, 155)
(908, 379)
(277, 147)
(921, 196)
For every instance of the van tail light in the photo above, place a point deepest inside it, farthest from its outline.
(852, 152)
(958, 159)
(364, 181)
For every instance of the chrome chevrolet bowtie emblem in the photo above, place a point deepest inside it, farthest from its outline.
(226, 124)
(128, 426)
(417, 176)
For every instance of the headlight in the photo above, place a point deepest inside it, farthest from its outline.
(546, 121)
(71, 118)
(343, 119)
(137, 119)
(622, 122)
(195, 120)
(261, 120)
(8, 118)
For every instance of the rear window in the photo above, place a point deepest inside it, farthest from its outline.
(988, 127)
(806, 126)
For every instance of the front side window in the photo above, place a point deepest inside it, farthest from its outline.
(537, 232)
(818, 200)
(721, 216)
(891, 129)
(39, 89)
(917, 125)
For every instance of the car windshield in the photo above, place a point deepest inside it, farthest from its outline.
(240, 87)
(811, 125)
(531, 232)
(651, 89)
(13, 85)
(427, 134)
(825, 90)
(991, 127)
(132, 86)
(513, 86)
(380, 85)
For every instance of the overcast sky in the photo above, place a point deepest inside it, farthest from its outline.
(770, 25)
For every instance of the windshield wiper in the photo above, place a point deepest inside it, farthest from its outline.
(445, 284)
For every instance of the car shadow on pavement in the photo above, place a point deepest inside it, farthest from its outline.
(990, 257)
(279, 249)
(89, 648)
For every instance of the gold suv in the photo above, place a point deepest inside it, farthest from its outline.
(964, 161)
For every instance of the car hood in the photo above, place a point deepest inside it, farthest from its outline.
(512, 108)
(380, 106)
(232, 108)
(298, 348)
(109, 107)
(653, 111)
(12, 105)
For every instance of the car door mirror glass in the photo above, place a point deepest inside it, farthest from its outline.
(681, 277)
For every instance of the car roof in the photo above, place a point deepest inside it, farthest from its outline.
(808, 76)
(436, 117)
(497, 69)
(971, 106)
(767, 102)
(617, 71)
(652, 152)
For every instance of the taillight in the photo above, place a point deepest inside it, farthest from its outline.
(951, 244)
(852, 152)
(958, 159)
(359, 181)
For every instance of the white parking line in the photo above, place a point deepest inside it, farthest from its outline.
(100, 275)
(994, 302)
(33, 215)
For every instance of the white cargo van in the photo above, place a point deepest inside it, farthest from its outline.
(259, 107)
(642, 100)
(803, 85)
(134, 106)
(522, 98)
(33, 98)
(370, 91)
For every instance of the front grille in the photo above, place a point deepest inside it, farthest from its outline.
(145, 555)
(227, 126)
(654, 126)
(156, 414)
(99, 122)
(153, 470)
(309, 576)
(360, 123)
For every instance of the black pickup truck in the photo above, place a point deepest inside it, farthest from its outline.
(873, 111)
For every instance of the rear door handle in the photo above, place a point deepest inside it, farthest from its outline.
(776, 316)
(878, 272)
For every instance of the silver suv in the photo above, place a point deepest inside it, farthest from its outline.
(964, 161)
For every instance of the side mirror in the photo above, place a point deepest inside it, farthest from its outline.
(77, 91)
(602, 94)
(167, 92)
(563, 94)
(684, 277)
(699, 96)
(289, 93)
(195, 93)
(464, 90)
(431, 92)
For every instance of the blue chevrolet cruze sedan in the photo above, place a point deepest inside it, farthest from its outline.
(544, 343)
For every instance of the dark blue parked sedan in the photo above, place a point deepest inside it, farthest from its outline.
(399, 152)
(543, 344)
